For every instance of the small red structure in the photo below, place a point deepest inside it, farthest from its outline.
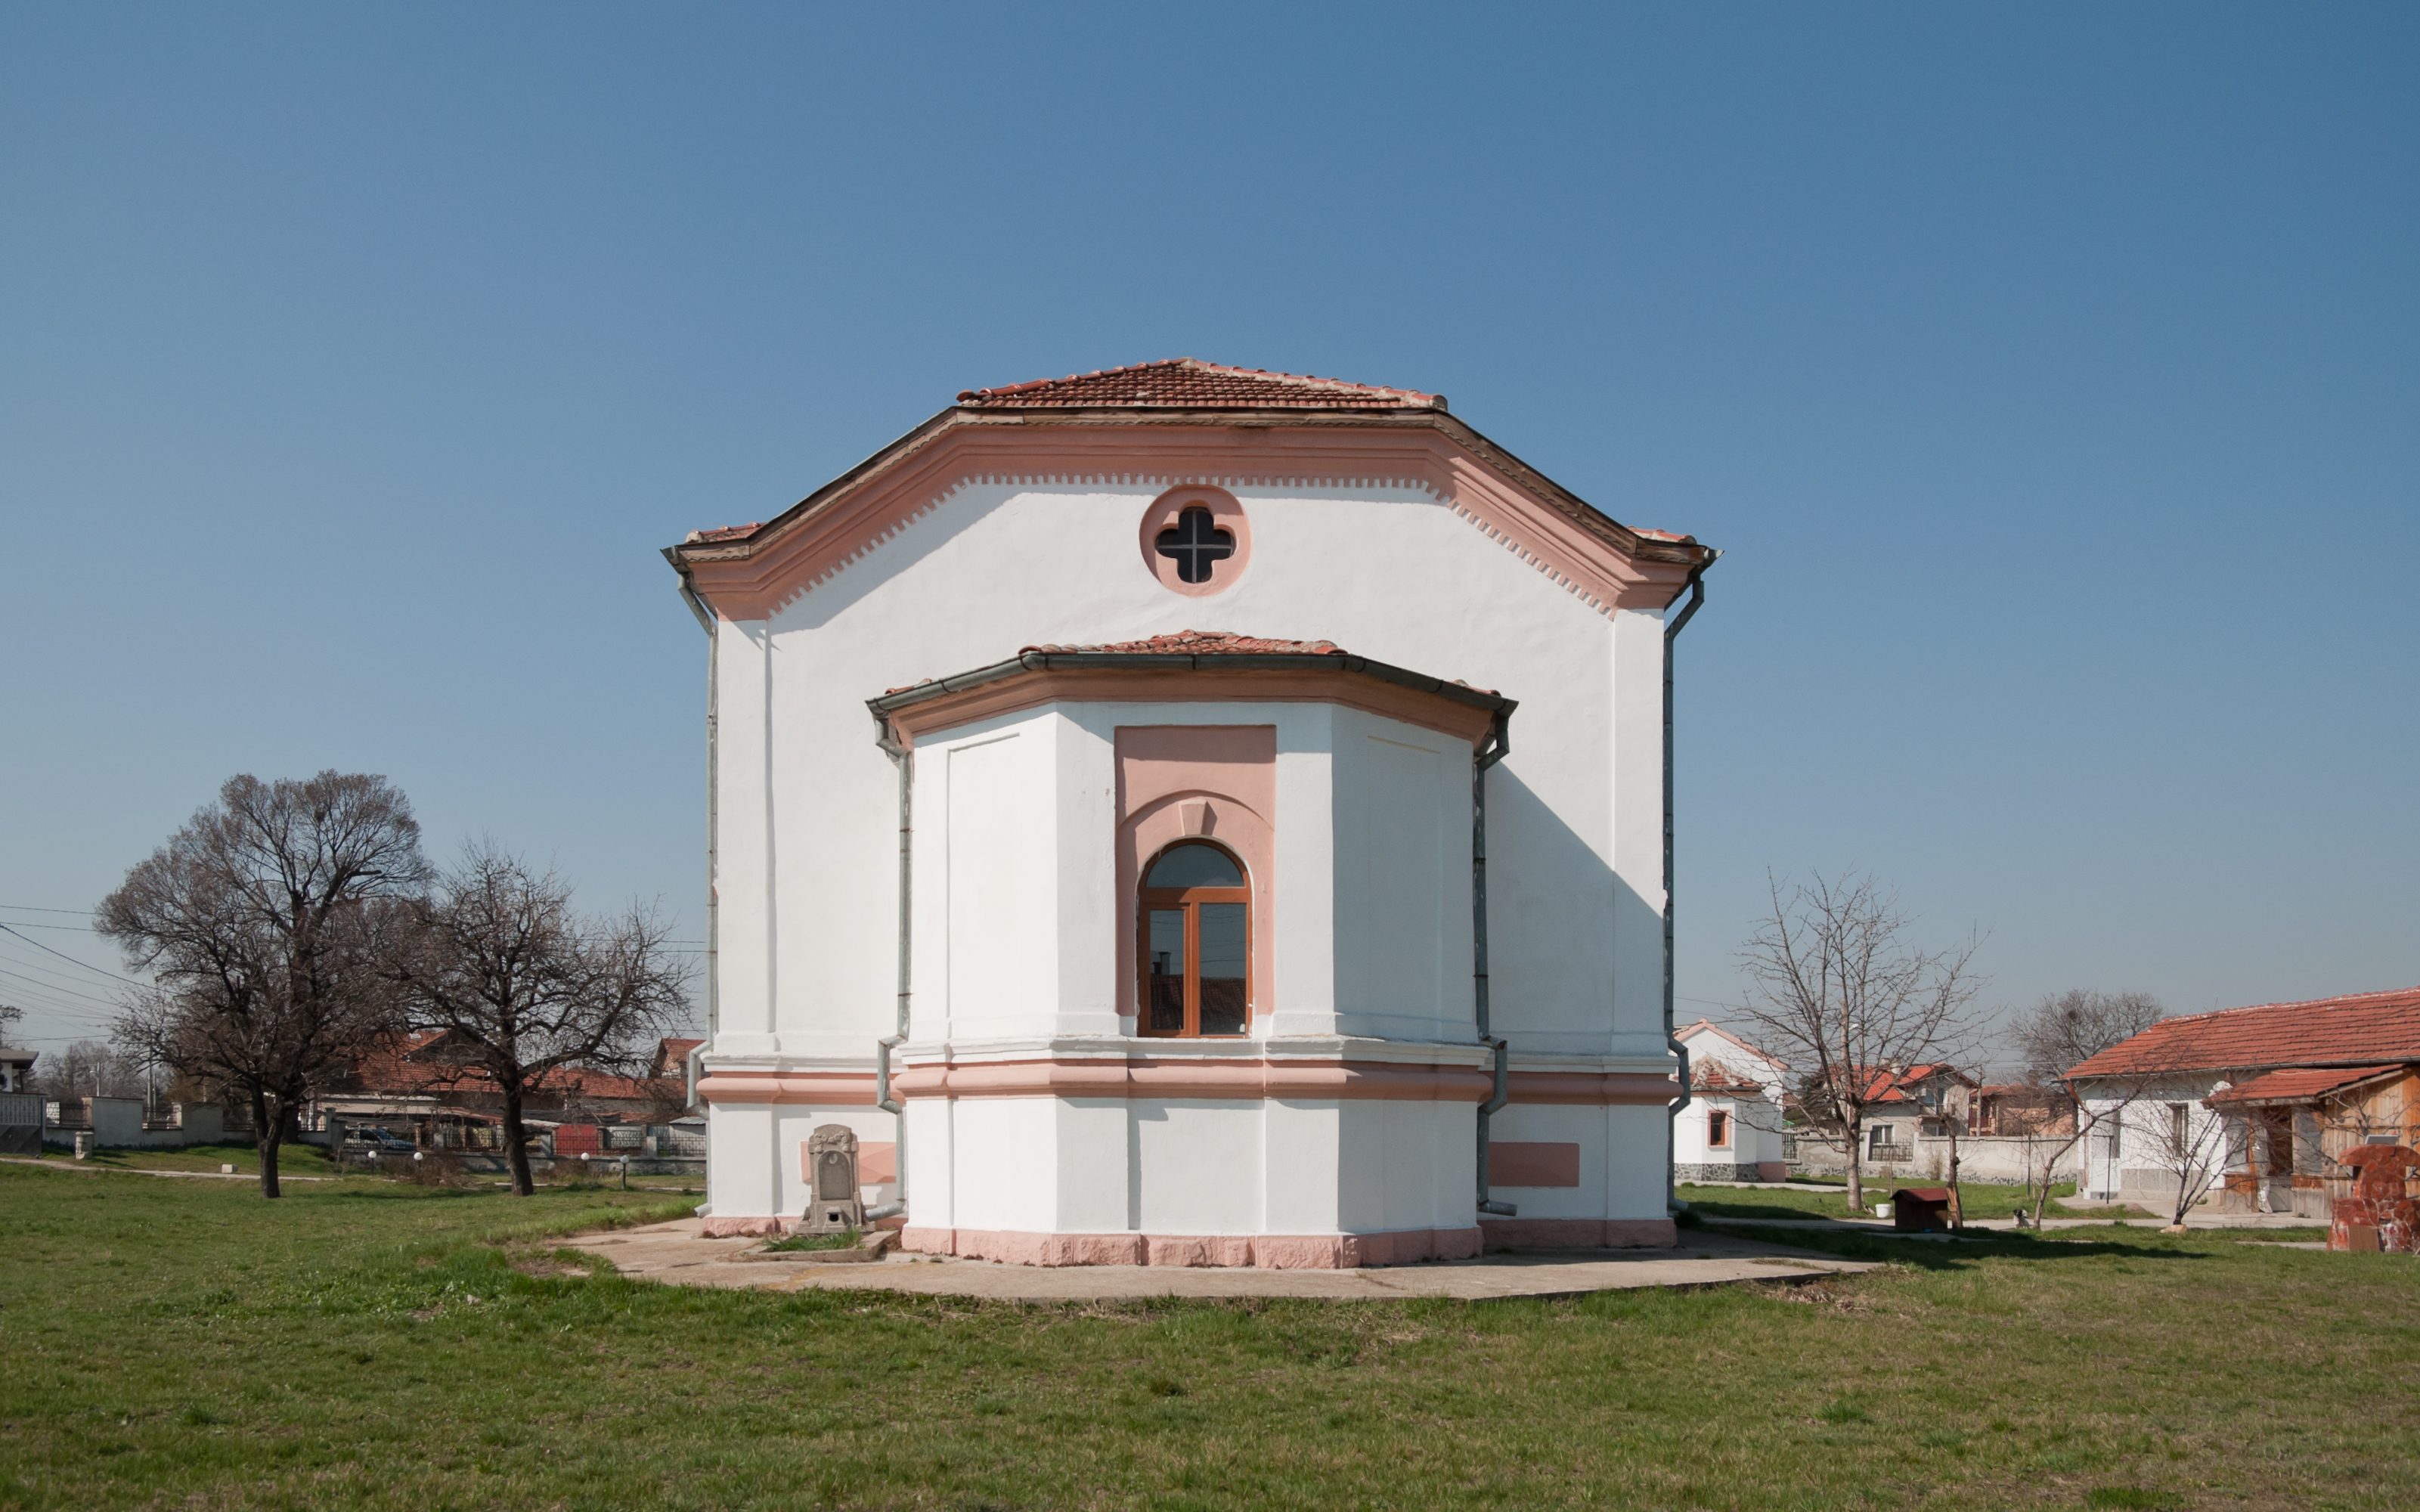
(1921, 1209)
(2379, 1214)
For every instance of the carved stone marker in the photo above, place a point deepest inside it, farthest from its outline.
(833, 1202)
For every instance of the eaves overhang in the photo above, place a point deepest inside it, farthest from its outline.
(747, 571)
(1034, 676)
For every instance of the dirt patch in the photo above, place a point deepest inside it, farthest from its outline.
(554, 1265)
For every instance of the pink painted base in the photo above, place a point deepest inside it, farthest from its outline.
(1773, 1169)
(1268, 1252)
(1579, 1233)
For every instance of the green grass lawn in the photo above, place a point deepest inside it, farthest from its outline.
(301, 1161)
(174, 1343)
(1818, 1201)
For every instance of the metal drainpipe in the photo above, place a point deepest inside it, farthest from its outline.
(713, 801)
(883, 1098)
(1672, 1202)
(1500, 743)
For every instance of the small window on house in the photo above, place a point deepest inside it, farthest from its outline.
(1196, 544)
(1195, 948)
(1718, 1128)
(2178, 1125)
(1877, 1138)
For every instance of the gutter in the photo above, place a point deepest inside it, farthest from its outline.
(1024, 662)
(1500, 743)
(1672, 1202)
(884, 1097)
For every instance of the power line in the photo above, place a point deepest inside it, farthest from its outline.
(65, 957)
(73, 986)
(30, 908)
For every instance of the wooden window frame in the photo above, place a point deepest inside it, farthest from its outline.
(1714, 1140)
(1189, 899)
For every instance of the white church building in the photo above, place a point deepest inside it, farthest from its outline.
(1185, 815)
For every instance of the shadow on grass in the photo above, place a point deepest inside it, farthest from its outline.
(1959, 1254)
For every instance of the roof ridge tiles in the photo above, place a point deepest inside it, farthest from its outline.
(1190, 384)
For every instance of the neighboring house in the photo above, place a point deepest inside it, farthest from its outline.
(1186, 916)
(1908, 1104)
(419, 1087)
(1918, 1117)
(1731, 1129)
(21, 1112)
(2282, 1090)
(2014, 1110)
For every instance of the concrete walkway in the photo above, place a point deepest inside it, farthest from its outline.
(87, 1168)
(677, 1252)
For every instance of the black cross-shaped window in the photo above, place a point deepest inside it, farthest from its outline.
(1193, 543)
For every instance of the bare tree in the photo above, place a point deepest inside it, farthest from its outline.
(2061, 1032)
(1839, 995)
(524, 987)
(2066, 1029)
(263, 922)
(88, 1069)
(2195, 1151)
(9, 1013)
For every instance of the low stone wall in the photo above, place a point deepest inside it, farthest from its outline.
(1985, 1160)
(1723, 1170)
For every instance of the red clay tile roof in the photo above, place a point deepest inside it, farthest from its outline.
(2294, 1085)
(1711, 1077)
(1186, 384)
(2366, 1028)
(1199, 643)
(1890, 1086)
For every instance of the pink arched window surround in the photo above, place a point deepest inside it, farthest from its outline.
(1213, 783)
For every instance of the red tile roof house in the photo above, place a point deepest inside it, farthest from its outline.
(1732, 1130)
(2288, 1086)
(1144, 921)
(418, 1089)
(1906, 1134)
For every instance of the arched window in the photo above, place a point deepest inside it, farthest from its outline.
(1196, 946)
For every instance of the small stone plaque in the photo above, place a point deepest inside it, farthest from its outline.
(833, 1205)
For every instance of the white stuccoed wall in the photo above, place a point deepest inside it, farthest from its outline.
(807, 830)
(808, 838)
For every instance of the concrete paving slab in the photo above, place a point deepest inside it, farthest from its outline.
(677, 1252)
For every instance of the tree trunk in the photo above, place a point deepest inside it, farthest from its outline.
(1854, 1126)
(516, 1144)
(1957, 1209)
(266, 1133)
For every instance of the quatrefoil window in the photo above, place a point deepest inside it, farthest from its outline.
(1194, 543)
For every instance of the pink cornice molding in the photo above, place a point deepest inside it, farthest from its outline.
(1226, 1079)
(1147, 685)
(750, 574)
(835, 1089)
(1223, 1079)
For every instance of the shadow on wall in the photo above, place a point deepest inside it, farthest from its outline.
(1563, 928)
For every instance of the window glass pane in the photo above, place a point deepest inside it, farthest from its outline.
(1194, 542)
(1224, 970)
(1194, 865)
(1164, 1001)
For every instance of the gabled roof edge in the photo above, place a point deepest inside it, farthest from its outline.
(1633, 542)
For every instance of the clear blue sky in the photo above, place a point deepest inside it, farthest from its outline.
(2049, 376)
